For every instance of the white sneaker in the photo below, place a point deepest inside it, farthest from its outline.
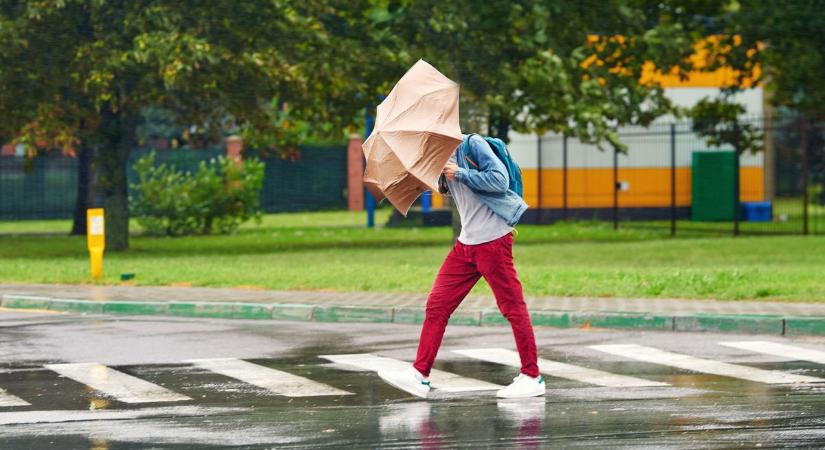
(523, 386)
(409, 380)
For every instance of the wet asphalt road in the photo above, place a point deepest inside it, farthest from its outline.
(695, 410)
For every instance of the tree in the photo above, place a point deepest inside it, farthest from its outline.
(573, 67)
(720, 122)
(570, 66)
(87, 68)
(81, 71)
(778, 43)
(780, 46)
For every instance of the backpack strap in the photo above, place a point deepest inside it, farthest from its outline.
(466, 152)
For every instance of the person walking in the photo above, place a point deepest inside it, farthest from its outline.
(478, 182)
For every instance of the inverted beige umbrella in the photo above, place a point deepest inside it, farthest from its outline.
(416, 131)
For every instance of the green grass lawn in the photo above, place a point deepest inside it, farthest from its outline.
(333, 251)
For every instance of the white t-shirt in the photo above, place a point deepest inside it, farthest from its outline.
(479, 224)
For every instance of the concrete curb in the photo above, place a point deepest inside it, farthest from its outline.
(720, 323)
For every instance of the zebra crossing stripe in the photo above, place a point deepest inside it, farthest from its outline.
(559, 370)
(656, 356)
(64, 417)
(443, 381)
(115, 384)
(7, 399)
(777, 349)
(273, 380)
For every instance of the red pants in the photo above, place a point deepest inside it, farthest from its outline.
(461, 270)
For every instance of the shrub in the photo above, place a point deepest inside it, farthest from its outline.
(217, 197)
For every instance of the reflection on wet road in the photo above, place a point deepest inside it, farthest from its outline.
(112, 383)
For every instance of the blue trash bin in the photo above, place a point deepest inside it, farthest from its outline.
(757, 211)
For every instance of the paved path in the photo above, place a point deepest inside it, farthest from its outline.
(578, 304)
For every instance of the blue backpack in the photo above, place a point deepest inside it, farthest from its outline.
(500, 149)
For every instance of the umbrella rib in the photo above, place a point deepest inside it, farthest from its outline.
(399, 182)
(408, 168)
(433, 133)
(410, 108)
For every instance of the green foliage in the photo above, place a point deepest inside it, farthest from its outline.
(568, 66)
(77, 72)
(217, 197)
(528, 64)
(719, 121)
(81, 72)
(286, 130)
(779, 43)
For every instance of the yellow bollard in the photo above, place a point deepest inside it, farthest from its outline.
(96, 240)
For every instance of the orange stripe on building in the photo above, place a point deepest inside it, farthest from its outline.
(648, 187)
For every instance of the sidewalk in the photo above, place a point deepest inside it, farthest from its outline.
(662, 314)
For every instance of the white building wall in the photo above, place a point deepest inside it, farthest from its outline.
(647, 147)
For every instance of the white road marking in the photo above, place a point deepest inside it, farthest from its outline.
(656, 356)
(115, 384)
(443, 381)
(7, 399)
(557, 369)
(279, 382)
(777, 349)
(151, 427)
(73, 415)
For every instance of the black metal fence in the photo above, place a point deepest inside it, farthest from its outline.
(657, 185)
(45, 187)
(316, 181)
(661, 183)
(41, 188)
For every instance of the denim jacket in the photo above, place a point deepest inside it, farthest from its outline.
(489, 181)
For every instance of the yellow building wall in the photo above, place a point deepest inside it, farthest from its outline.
(438, 200)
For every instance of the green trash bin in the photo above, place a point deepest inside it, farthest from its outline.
(713, 186)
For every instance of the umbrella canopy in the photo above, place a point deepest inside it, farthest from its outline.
(416, 131)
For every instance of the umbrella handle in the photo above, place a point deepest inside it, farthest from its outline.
(443, 188)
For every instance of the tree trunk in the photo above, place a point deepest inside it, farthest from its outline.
(498, 127)
(84, 190)
(117, 131)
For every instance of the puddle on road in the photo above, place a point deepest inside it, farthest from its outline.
(478, 423)
(698, 410)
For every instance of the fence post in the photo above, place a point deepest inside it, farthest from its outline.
(564, 178)
(673, 179)
(737, 204)
(805, 130)
(539, 179)
(615, 189)
(355, 174)
(369, 200)
(769, 157)
(737, 201)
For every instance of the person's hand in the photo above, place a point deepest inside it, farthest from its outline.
(450, 170)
